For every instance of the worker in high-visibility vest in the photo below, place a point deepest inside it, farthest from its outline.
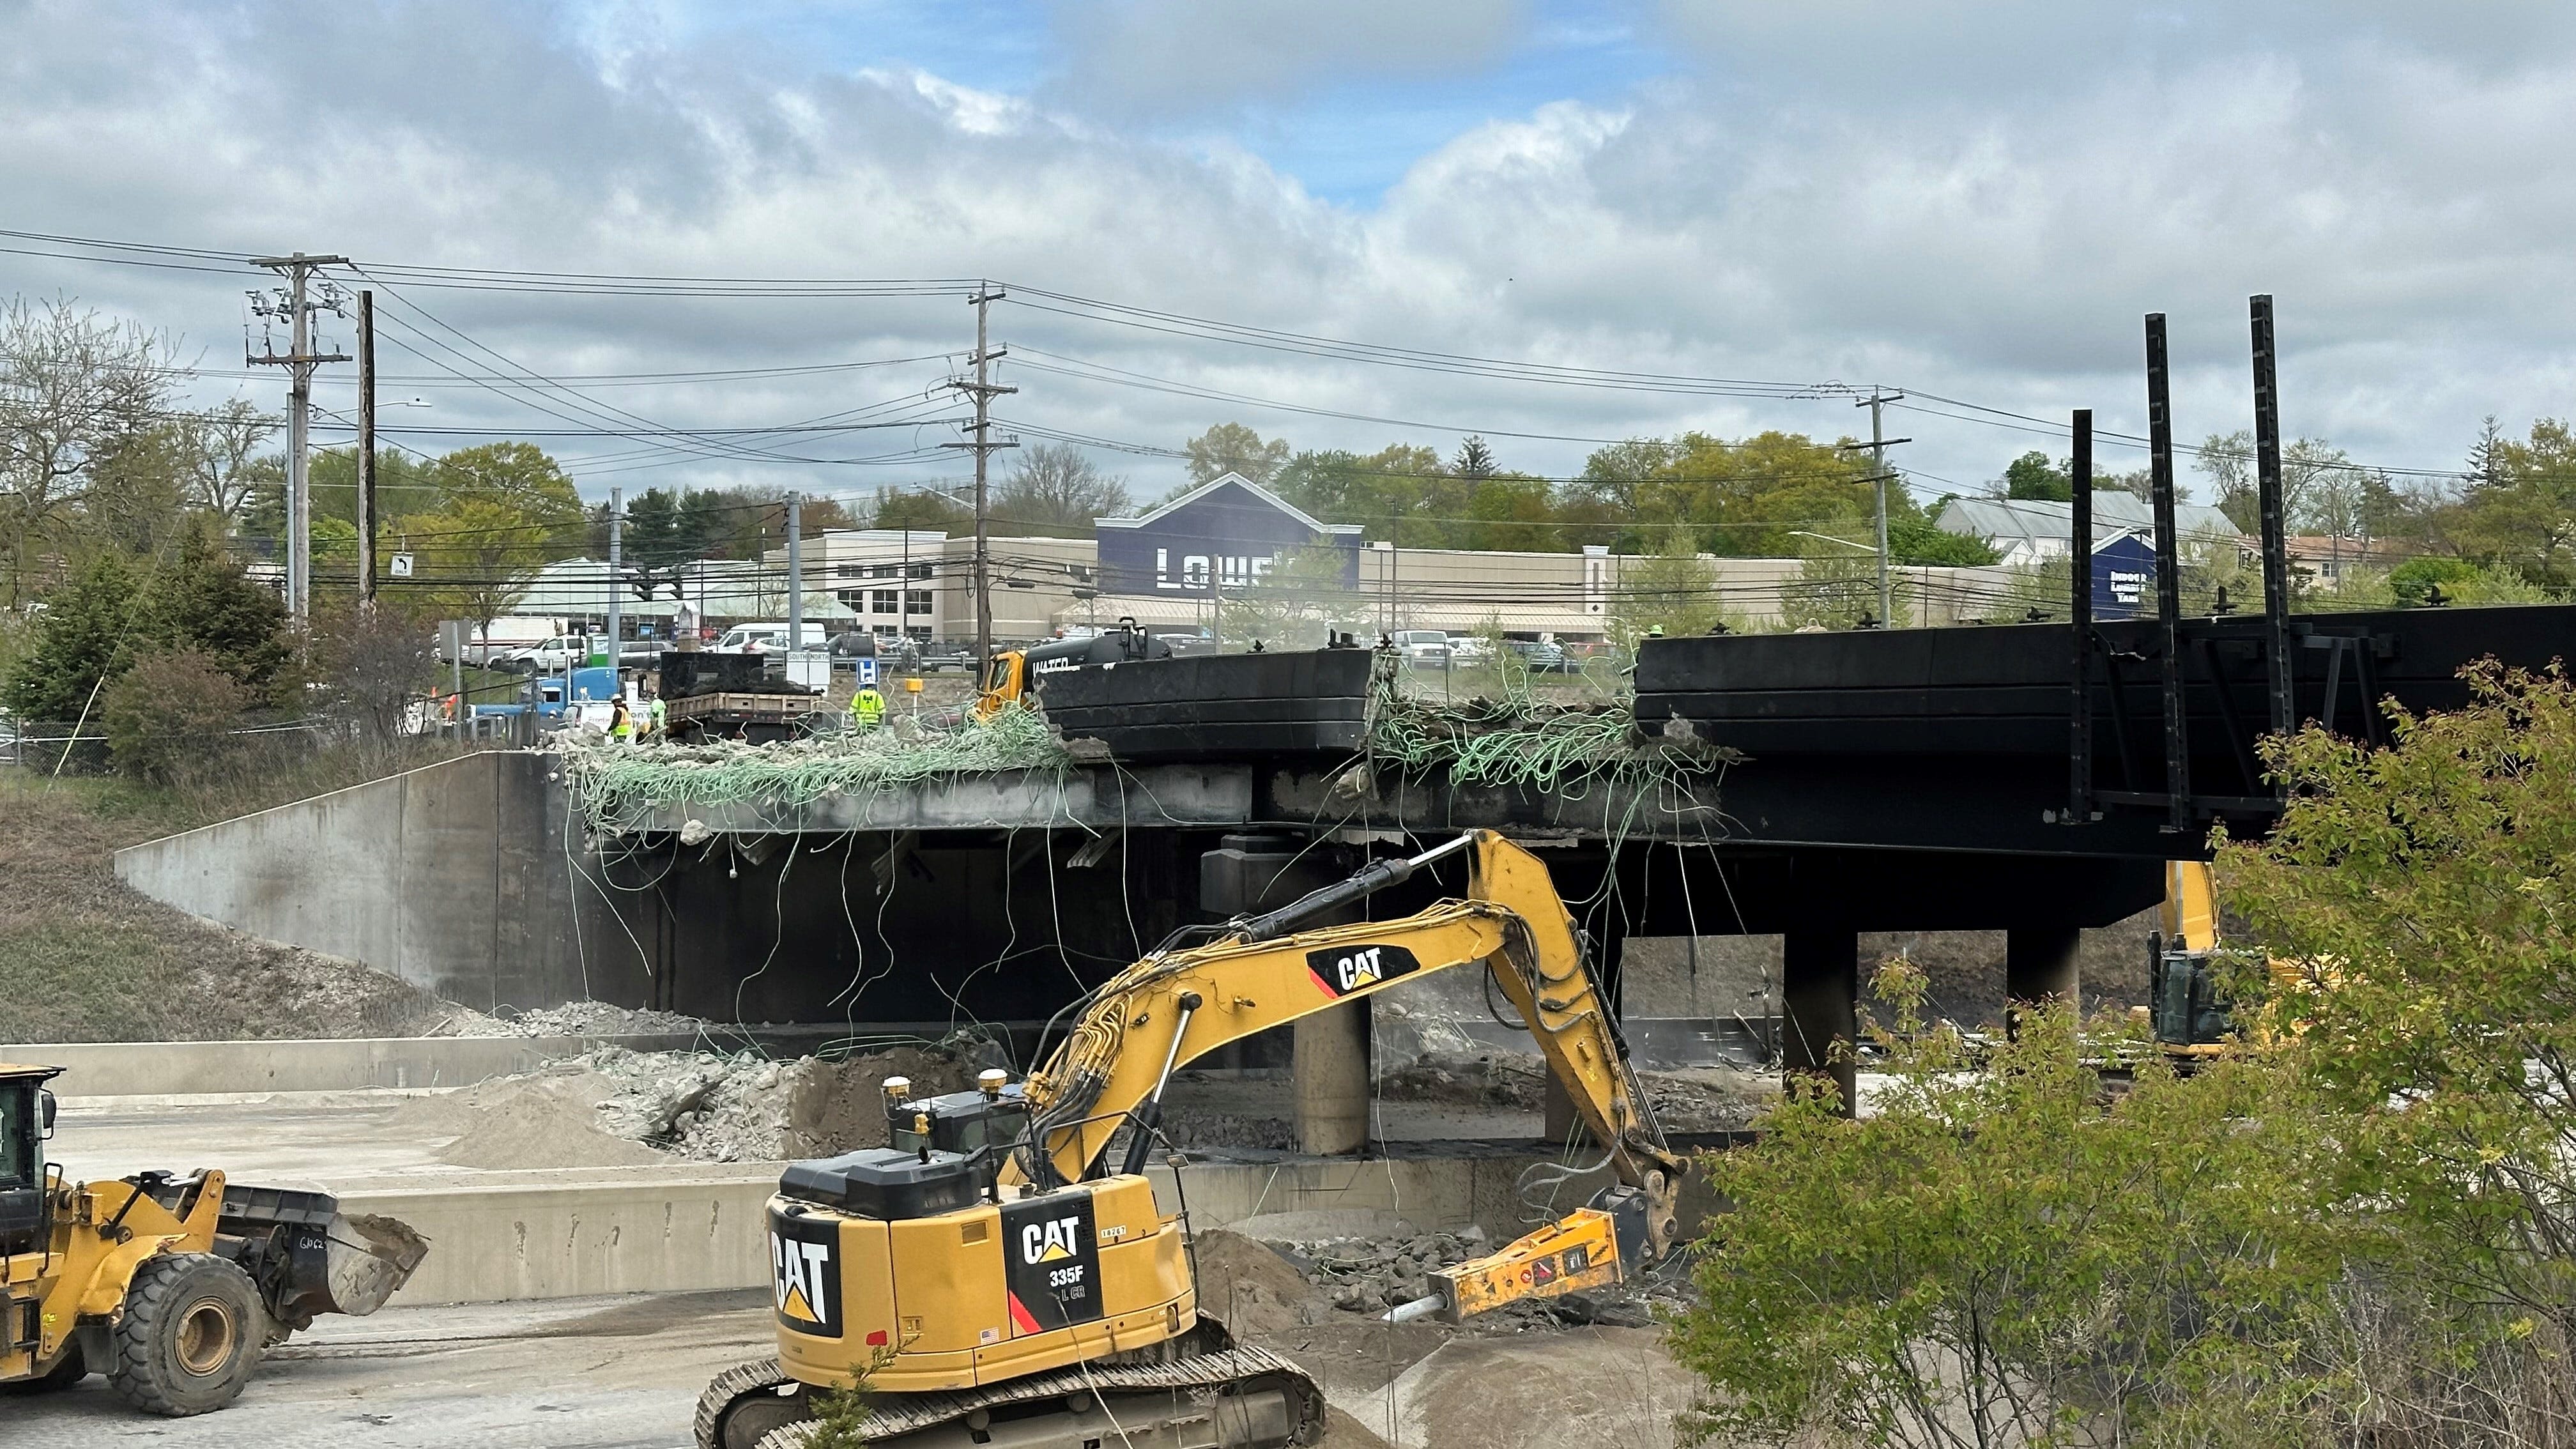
(867, 708)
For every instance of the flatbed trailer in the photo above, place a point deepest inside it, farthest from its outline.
(741, 716)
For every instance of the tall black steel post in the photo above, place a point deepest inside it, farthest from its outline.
(2079, 719)
(2276, 545)
(2168, 576)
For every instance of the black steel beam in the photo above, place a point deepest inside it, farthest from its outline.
(2276, 542)
(2079, 569)
(2168, 576)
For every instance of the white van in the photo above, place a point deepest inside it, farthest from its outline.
(771, 638)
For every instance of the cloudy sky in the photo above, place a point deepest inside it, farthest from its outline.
(1973, 202)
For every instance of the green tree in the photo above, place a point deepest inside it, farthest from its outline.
(924, 510)
(1672, 589)
(1234, 448)
(2032, 476)
(2227, 461)
(79, 642)
(2414, 902)
(2523, 514)
(201, 603)
(475, 556)
(1511, 511)
(2002, 1255)
(1921, 541)
(1475, 461)
(518, 477)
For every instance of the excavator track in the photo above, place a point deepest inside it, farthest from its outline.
(1198, 1386)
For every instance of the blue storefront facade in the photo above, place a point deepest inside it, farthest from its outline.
(1225, 534)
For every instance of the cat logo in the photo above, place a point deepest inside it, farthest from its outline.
(1051, 1266)
(1048, 1241)
(805, 1279)
(1346, 969)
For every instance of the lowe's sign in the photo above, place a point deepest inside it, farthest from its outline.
(2124, 578)
(1226, 535)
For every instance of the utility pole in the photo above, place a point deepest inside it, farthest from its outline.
(984, 391)
(616, 573)
(299, 363)
(366, 452)
(795, 574)
(1879, 443)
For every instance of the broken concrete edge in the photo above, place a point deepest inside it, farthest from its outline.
(197, 1069)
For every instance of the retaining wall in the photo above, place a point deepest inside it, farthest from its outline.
(453, 877)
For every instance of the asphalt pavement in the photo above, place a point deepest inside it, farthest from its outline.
(585, 1373)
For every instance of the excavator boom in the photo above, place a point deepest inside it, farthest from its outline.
(1172, 1008)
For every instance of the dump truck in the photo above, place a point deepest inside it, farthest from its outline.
(1000, 1272)
(173, 1287)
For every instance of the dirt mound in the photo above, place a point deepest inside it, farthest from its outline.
(748, 1109)
(549, 1119)
(1252, 1290)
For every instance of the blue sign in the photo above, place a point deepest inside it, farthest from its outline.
(867, 673)
(2124, 578)
(1229, 535)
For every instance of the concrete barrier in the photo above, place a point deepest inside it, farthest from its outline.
(669, 1231)
(694, 1227)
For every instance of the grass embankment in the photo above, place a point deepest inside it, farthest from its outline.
(83, 957)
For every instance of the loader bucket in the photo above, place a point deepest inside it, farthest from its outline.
(309, 1258)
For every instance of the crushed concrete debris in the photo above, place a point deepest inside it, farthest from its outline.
(747, 1109)
(587, 1018)
(1691, 1099)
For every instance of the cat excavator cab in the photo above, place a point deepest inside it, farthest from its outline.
(1004, 1274)
(173, 1287)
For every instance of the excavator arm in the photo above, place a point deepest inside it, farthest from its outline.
(1174, 1007)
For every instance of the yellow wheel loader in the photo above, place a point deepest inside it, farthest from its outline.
(171, 1287)
(994, 1278)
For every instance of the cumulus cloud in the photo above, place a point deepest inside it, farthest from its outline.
(1753, 212)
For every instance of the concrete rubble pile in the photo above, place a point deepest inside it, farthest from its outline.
(717, 1108)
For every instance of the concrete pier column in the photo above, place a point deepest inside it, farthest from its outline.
(1559, 1106)
(2041, 962)
(1819, 1004)
(1332, 1069)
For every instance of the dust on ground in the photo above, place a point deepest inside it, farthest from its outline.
(84, 957)
(1528, 1376)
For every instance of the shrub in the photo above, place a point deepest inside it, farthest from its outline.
(171, 711)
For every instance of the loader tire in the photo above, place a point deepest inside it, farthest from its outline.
(191, 1333)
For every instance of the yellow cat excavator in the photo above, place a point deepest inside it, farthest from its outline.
(996, 1279)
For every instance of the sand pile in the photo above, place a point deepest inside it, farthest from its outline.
(545, 1119)
(1252, 1290)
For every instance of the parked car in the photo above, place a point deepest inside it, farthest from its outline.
(1540, 656)
(1429, 647)
(771, 638)
(554, 656)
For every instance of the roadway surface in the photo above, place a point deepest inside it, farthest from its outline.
(574, 1373)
